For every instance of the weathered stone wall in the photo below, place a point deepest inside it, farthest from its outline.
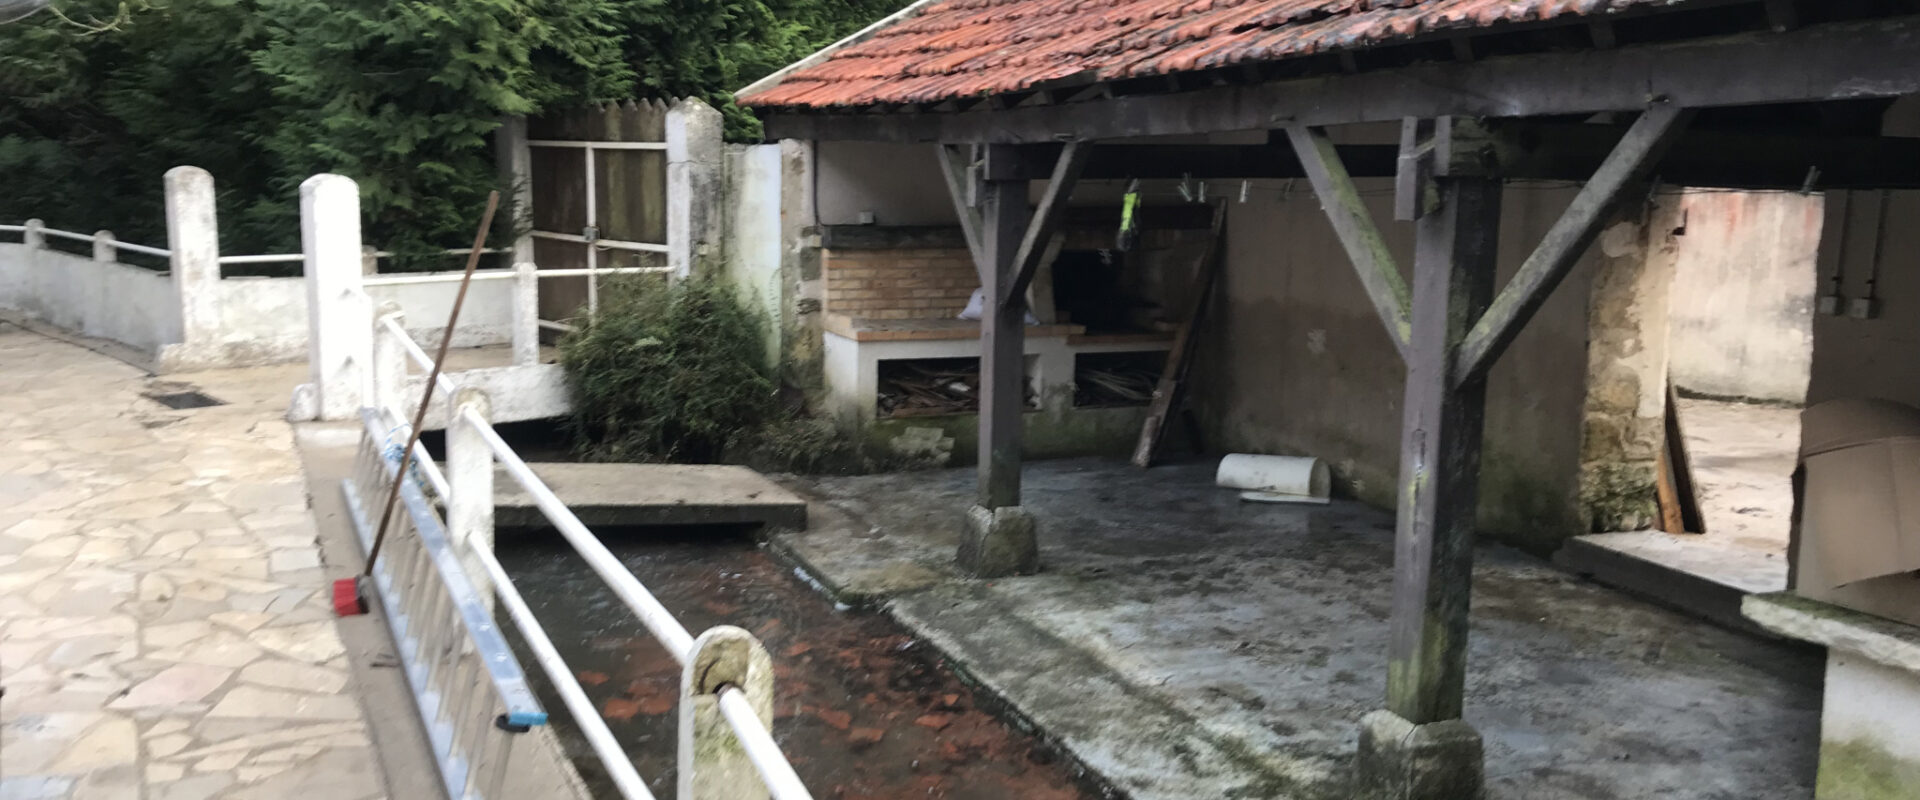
(1627, 361)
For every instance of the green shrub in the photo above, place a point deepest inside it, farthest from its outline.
(667, 373)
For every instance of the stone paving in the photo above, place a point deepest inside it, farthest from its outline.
(164, 627)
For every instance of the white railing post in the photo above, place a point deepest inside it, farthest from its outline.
(389, 362)
(526, 314)
(35, 235)
(713, 765)
(369, 260)
(193, 237)
(103, 249)
(470, 484)
(339, 319)
(694, 154)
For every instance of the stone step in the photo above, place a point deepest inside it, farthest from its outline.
(1700, 575)
(652, 494)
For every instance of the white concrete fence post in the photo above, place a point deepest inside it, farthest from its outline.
(369, 260)
(514, 157)
(470, 482)
(193, 236)
(103, 250)
(339, 314)
(390, 362)
(35, 235)
(526, 314)
(713, 765)
(694, 167)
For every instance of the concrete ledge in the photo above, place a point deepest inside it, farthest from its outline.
(652, 494)
(521, 392)
(1870, 709)
(1881, 641)
(1682, 571)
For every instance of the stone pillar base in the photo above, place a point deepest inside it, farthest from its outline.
(999, 542)
(1399, 760)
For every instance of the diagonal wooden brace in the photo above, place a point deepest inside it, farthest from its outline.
(1629, 165)
(956, 165)
(1034, 244)
(1356, 229)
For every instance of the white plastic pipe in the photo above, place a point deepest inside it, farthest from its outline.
(1275, 479)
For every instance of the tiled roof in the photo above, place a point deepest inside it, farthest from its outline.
(949, 49)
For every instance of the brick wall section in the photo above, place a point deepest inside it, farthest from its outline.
(899, 284)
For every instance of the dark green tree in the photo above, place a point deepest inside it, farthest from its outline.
(401, 96)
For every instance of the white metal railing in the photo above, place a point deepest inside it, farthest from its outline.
(106, 238)
(726, 688)
(99, 238)
(284, 258)
(746, 724)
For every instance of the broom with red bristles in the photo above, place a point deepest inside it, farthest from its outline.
(350, 594)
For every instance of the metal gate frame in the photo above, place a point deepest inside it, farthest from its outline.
(590, 236)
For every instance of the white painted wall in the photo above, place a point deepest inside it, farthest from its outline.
(271, 313)
(753, 234)
(126, 304)
(1743, 293)
(262, 320)
(899, 183)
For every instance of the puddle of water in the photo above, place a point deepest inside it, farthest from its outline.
(863, 710)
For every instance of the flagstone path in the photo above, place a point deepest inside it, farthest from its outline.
(164, 630)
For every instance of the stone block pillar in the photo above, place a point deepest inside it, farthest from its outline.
(339, 313)
(193, 236)
(514, 159)
(694, 185)
(1627, 369)
(390, 363)
(713, 765)
(470, 482)
(103, 250)
(525, 313)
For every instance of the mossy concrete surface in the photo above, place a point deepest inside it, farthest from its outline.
(1183, 644)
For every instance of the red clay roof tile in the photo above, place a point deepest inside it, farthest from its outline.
(967, 48)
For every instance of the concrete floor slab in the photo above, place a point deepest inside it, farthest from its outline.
(653, 494)
(1184, 644)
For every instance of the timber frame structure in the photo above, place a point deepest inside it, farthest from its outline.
(1746, 95)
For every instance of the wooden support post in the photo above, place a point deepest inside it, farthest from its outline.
(1441, 427)
(1355, 227)
(1629, 165)
(1003, 375)
(999, 538)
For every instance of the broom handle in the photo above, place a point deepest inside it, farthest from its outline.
(433, 379)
